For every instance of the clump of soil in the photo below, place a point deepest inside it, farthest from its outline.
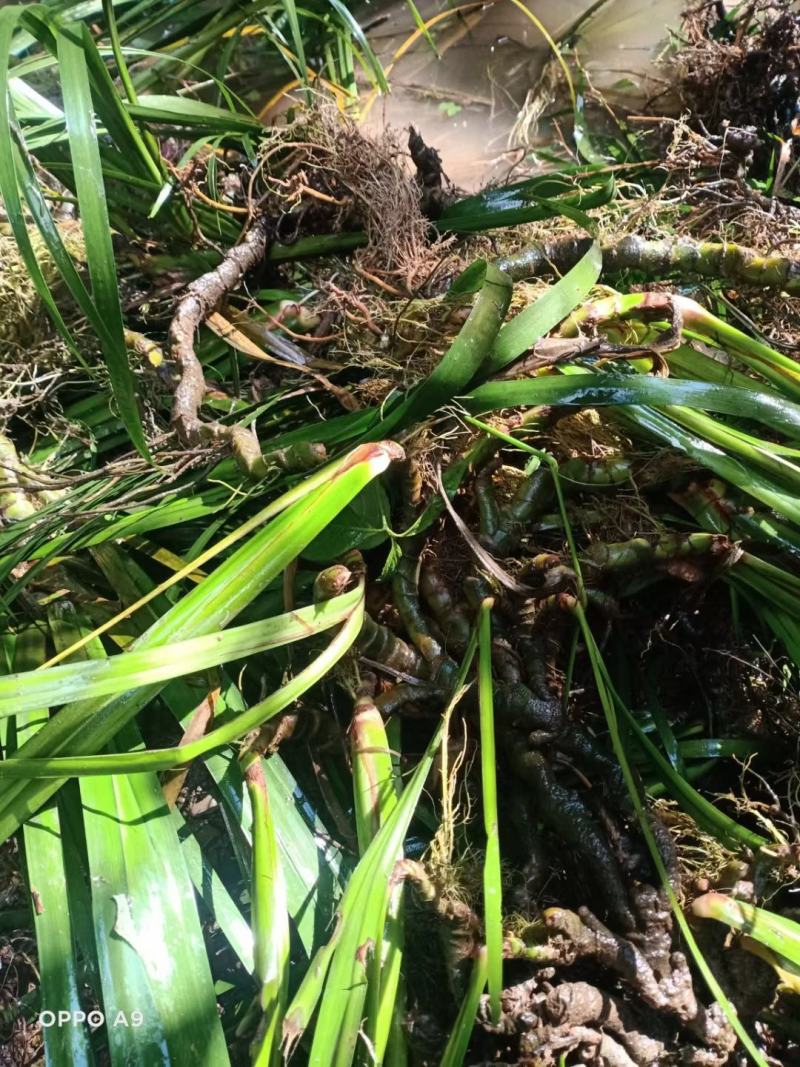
(331, 177)
(743, 73)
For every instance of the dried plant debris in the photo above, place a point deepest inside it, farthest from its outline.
(743, 70)
(321, 173)
(739, 77)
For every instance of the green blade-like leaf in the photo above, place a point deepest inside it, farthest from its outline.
(10, 177)
(139, 668)
(352, 25)
(310, 864)
(163, 759)
(184, 111)
(290, 8)
(342, 966)
(604, 389)
(538, 318)
(270, 922)
(90, 186)
(419, 22)
(65, 1046)
(212, 892)
(468, 351)
(492, 876)
(310, 868)
(375, 792)
(152, 958)
(527, 201)
(458, 1041)
(361, 918)
(86, 726)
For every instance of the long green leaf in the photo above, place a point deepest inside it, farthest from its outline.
(361, 917)
(776, 933)
(527, 201)
(610, 702)
(68, 1045)
(492, 877)
(90, 186)
(538, 318)
(57, 685)
(10, 177)
(290, 8)
(375, 792)
(352, 25)
(309, 861)
(154, 969)
(163, 759)
(86, 726)
(269, 920)
(184, 111)
(342, 967)
(603, 388)
(468, 351)
(458, 1042)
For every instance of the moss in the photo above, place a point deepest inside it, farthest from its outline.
(23, 318)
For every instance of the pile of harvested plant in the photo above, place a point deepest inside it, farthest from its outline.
(401, 588)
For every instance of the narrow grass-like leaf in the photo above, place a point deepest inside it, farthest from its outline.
(375, 791)
(183, 111)
(527, 201)
(706, 813)
(65, 1046)
(422, 26)
(130, 93)
(352, 25)
(304, 488)
(465, 355)
(290, 9)
(604, 388)
(10, 178)
(310, 862)
(605, 692)
(305, 900)
(129, 670)
(362, 914)
(304, 1003)
(86, 726)
(539, 317)
(721, 748)
(90, 186)
(150, 946)
(551, 44)
(212, 892)
(269, 920)
(727, 466)
(458, 1042)
(492, 876)
(163, 759)
(374, 787)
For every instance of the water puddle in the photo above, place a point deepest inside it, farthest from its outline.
(467, 100)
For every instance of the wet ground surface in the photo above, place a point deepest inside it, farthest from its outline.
(467, 100)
